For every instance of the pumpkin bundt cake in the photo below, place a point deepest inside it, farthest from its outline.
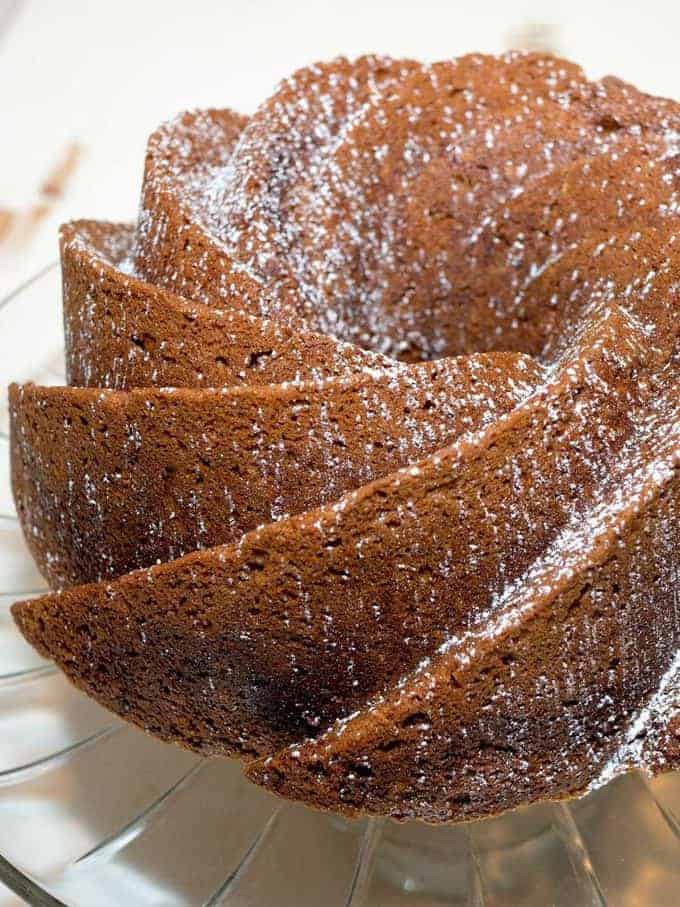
(367, 471)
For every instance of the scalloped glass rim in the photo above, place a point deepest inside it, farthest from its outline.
(93, 811)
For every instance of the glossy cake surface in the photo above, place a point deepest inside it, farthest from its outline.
(368, 469)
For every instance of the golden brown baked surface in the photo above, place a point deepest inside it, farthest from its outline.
(368, 467)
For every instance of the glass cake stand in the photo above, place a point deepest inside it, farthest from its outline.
(95, 812)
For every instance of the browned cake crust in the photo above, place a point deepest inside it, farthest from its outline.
(187, 470)
(430, 589)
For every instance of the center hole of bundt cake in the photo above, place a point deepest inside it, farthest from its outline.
(416, 274)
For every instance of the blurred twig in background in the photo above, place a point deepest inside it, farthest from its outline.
(537, 36)
(8, 10)
(17, 225)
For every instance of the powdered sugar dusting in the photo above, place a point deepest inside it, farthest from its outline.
(397, 359)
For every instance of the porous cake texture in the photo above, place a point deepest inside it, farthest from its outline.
(368, 467)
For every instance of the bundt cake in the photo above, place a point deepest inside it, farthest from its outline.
(368, 469)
